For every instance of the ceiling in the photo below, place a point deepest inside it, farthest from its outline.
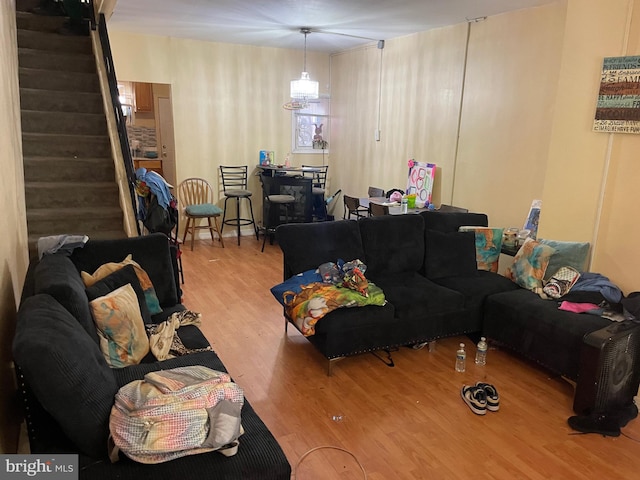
(277, 23)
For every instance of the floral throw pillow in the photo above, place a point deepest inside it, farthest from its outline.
(530, 264)
(488, 246)
(123, 339)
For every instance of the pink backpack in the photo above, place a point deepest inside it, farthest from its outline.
(174, 413)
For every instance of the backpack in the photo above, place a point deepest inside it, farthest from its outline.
(176, 412)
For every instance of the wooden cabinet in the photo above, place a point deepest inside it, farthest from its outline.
(143, 97)
(154, 165)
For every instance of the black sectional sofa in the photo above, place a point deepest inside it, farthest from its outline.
(428, 272)
(68, 389)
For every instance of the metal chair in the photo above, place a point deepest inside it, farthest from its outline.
(377, 209)
(318, 188)
(271, 220)
(196, 197)
(234, 185)
(375, 192)
(352, 207)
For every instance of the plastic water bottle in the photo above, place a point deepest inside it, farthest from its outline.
(461, 357)
(404, 204)
(481, 352)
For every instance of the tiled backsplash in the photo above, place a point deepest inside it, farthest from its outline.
(141, 137)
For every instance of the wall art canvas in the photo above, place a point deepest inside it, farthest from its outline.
(420, 180)
(618, 109)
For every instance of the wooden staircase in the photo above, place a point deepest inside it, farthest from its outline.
(70, 183)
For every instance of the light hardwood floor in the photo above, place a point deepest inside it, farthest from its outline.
(405, 422)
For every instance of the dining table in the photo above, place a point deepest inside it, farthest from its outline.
(394, 207)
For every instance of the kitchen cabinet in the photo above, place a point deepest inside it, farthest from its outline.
(152, 165)
(143, 96)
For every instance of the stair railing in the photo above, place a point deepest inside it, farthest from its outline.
(117, 111)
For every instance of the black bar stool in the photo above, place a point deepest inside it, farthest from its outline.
(234, 184)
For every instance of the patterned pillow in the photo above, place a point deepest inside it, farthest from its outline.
(123, 339)
(530, 264)
(488, 246)
(145, 282)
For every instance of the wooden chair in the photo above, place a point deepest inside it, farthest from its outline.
(377, 209)
(375, 192)
(195, 195)
(352, 207)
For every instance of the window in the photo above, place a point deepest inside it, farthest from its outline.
(310, 127)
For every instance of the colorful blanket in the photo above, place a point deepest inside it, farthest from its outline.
(315, 300)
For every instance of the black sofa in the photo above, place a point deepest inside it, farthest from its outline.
(68, 389)
(427, 270)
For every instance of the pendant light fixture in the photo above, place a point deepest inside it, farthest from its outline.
(304, 88)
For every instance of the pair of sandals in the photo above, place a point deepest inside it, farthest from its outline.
(481, 397)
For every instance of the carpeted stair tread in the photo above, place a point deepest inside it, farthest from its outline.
(60, 101)
(54, 80)
(66, 194)
(69, 175)
(68, 169)
(63, 61)
(73, 123)
(54, 42)
(56, 145)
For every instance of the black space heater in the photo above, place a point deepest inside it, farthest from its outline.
(609, 368)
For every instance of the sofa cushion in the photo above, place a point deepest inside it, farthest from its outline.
(449, 254)
(452, 221)
(123, 339)
(56, 275)
(117, 279)
(416, 297)
(567, 254)
(530, 264)
(536, 328)
(392, 244)
(66, 371)
(331, 241)
(145, 282)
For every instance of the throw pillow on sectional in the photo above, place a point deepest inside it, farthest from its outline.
(145, 282)
(567, 254)
(119, 278)
(123, 338)
(488, 246)
(66, 372)
(530, 264)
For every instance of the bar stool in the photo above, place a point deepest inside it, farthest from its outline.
(234, 184)
(274, 200)
(319, 182)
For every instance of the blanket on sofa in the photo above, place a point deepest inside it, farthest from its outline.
(317, 299)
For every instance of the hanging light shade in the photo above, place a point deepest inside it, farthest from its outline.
(304, 88)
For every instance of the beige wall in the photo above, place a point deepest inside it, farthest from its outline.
(522, 103)
(227, 99)
(13, 248)
(413, 85)
(591, 190)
